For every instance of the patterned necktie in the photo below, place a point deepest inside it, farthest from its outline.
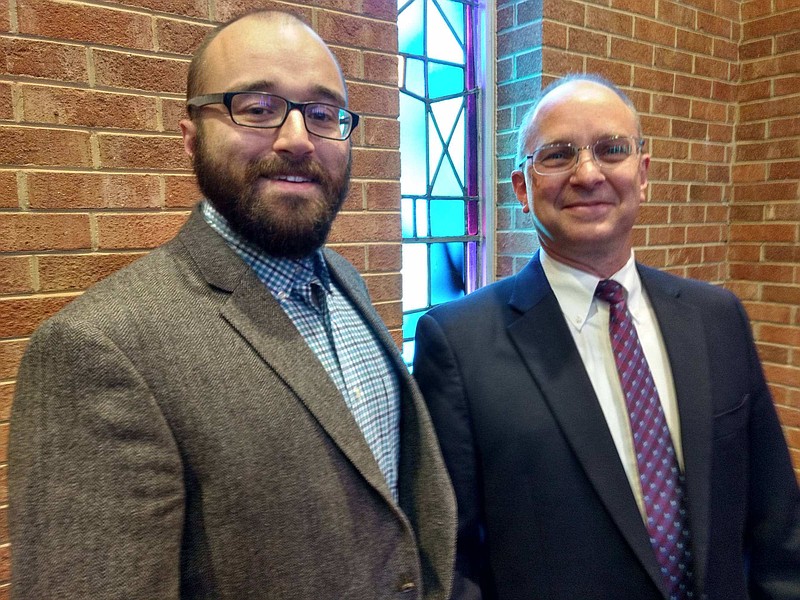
(659, 473)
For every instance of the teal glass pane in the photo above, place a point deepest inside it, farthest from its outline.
(408, 352)
(446, 183)
(447, 272)
(442, 44)
(407, 217)
(444, 80)
(447, 217)
(435, 147)
(413, 176)
(421, 217)
(409, 27)
(454, 13)
(415, 76)
(415, 276)
(410, 323)
(446, 113)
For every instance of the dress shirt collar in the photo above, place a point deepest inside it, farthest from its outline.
(574, 289)
(280, 275)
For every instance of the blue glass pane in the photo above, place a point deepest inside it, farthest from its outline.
(447, 272)
(442, 44)
(415, 276)
(444, 80)
(409, 28)
(447, 217)
(422, 217)
(410, 323)
(415, 76)
(407, 217)
(454, 13)
(413, 173)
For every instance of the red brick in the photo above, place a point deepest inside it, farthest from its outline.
(771, 25)
(11, 352)
(374, 99)
(136, 71)
(673, 60)
(383, 195)
(348, 30)
(384, 258)
(691, 41)
(383, 287)
(376, 164)
(20, 316)
(354, 202)
(187, 8)
(656, 32)
(227, 9)
(392, 314)
(3, 483)
(15, 275)
(653, 79)
(142, 152)
(587, 42)
(51, 190)
(79, 22)
(642, 7)
(619, 73)
(363, 227)
(380, 68)
(757, 232)
(29, 146)
(181, 191)
(8, 190)
(180, 37)
(602, 19)
(693, 86)
(137, 231)
(87, 108)
(6, 395)
(172, 113)
(23, 232)
(568, 12)
(6, 106)
(554, 35)
(356, 255)
(79, 271)
(30, 58)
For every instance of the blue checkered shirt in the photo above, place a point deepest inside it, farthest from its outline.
(342, 341)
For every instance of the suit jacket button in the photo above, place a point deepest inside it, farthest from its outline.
(408, 586)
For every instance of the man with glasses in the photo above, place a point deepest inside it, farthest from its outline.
(228, 417)
(607, 426)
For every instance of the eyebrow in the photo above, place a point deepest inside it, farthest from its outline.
(321, 92)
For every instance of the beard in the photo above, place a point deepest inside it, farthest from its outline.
(282, 225)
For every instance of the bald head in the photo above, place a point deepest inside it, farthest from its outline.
(565, 86)
(268, 22)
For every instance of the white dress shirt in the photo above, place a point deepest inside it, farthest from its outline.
(588, 322)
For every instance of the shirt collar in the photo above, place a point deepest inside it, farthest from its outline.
(276, 272)
(574, 289)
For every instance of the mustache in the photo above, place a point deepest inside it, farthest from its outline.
(276, 166)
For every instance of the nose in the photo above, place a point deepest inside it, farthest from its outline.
(293, 137)
(586, 170)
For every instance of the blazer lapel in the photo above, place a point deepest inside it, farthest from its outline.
(252, 311)
(682, 331)
(545, 345)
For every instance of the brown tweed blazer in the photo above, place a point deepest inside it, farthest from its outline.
(173, 437)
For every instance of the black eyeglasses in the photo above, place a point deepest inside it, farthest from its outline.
(266, 111)
(555, 159)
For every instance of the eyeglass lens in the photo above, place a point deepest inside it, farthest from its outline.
(556, 158)
(266, 110)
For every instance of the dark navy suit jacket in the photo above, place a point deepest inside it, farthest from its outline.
(545, 509)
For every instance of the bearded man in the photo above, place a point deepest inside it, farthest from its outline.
(228, 417)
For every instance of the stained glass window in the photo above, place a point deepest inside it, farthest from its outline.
(438, 154)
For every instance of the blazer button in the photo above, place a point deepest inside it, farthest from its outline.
(408, 586)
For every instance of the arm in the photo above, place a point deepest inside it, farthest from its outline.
(95, 478)
(773, 528)
(437, 372)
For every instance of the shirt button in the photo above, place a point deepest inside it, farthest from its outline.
(282, 295)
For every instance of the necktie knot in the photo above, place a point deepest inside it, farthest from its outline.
(610, 291)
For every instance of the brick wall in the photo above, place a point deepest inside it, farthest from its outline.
(92, 168)
(717, 84)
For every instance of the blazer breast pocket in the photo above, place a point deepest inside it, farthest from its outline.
(732, 420)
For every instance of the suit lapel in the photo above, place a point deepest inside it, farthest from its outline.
(252, 311)
(545, 344)
(682, 331)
